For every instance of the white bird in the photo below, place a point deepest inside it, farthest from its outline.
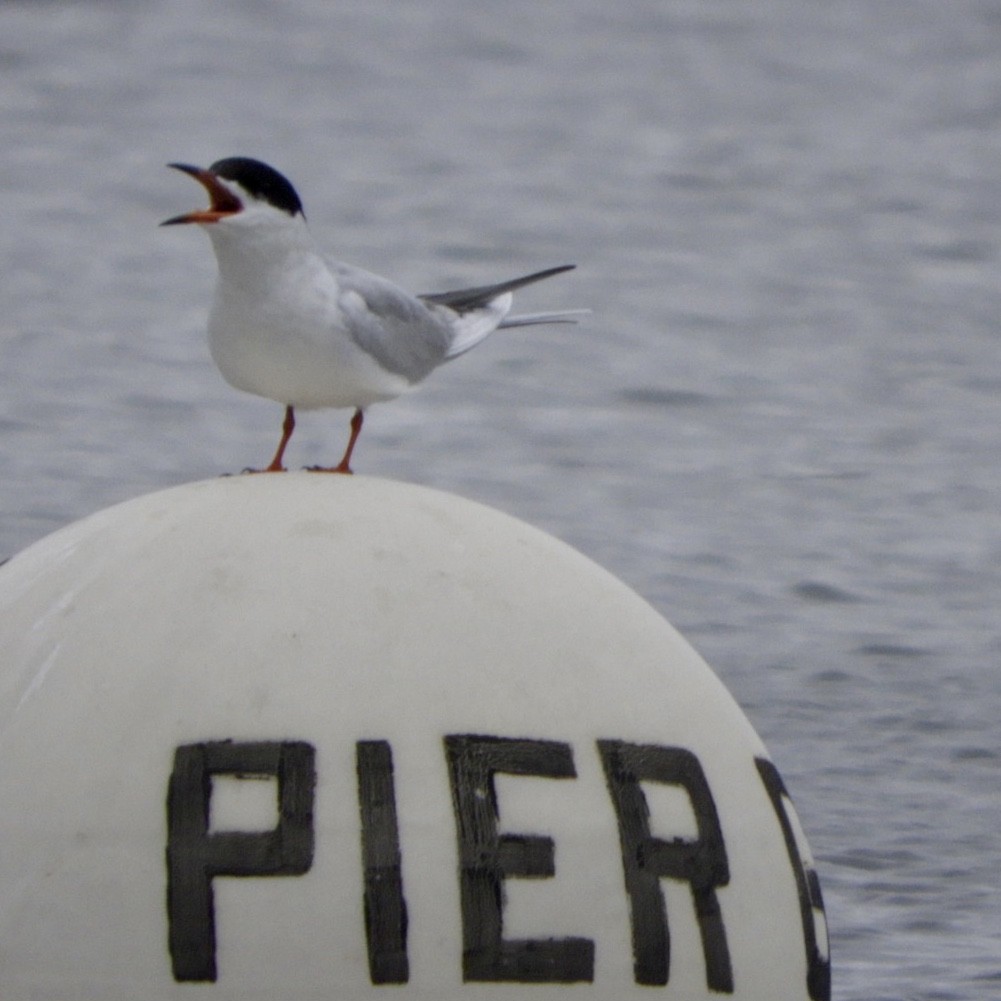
(291, 326)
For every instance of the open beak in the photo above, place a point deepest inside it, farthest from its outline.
(222, 201)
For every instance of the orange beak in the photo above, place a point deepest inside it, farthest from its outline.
(222, 201)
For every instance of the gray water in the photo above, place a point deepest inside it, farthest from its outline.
(780, 425)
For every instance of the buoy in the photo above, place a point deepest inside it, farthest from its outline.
(311, 737)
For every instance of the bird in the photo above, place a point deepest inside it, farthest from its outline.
(292, 326)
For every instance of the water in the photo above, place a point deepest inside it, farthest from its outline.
(780, 425)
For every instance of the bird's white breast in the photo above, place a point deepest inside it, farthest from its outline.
(279, 332)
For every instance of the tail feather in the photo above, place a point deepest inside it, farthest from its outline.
(482, 310)
(552, 316)
(473, 327)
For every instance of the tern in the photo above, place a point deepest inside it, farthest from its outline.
(289, 325)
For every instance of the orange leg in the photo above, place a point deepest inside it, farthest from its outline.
(288, 426)
(344, 466)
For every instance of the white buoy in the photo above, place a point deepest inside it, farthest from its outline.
(312, 737)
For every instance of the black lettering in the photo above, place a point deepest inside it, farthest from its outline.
(385, 908)
(487, 858)
(818, 966)
(646, 859)
(195, 857)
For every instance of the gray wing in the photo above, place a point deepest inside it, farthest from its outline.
(465, 300)
(396, 328)
(412, 335)
(481, 310)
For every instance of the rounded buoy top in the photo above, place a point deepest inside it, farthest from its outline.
(308, 736)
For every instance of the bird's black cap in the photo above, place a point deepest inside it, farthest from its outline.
(261, 181)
